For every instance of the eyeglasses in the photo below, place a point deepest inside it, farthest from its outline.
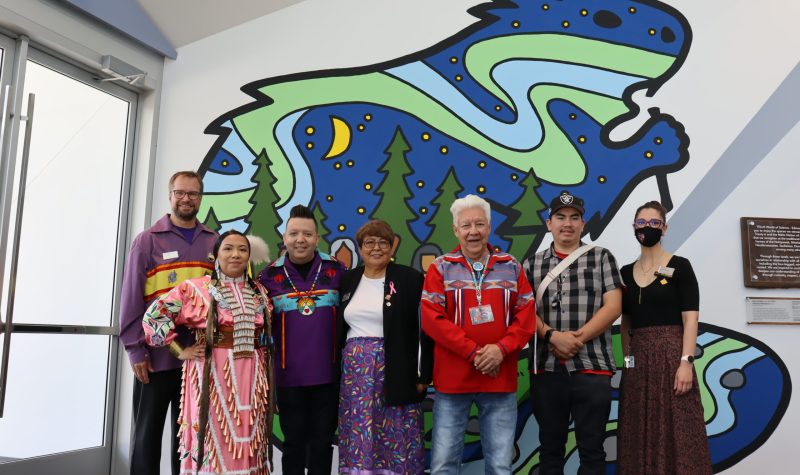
(653, 223)
(382, 244)
(180, 194)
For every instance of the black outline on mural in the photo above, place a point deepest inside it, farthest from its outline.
(483, 12)
(595, 224)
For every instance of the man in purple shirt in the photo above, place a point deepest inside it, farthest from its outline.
(303, 287)
(177, 247)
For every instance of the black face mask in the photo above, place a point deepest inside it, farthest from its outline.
(647, 236)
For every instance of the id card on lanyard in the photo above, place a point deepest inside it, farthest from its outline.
(480, 314)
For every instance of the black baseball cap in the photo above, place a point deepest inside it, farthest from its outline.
(566, 200)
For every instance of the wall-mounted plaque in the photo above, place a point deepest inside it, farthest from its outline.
(777, 310)
(771, 252)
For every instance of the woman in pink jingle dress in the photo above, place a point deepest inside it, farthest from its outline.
(226, 413)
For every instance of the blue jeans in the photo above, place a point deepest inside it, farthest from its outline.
(497, 416)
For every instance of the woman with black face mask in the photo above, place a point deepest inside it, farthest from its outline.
(661, 424)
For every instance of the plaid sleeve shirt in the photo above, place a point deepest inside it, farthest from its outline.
(571, 299)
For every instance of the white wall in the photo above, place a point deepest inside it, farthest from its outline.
(740, 53)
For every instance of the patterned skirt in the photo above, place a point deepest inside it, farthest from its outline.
(375, 438)
(659, 432)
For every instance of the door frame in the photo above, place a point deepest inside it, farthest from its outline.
(17, 52)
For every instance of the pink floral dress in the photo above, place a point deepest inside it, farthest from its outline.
(237, 439)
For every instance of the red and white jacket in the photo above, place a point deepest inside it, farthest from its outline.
(447, 296)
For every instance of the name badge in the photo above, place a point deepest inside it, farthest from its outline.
(170, 255)
(481, 314)
(664, 271)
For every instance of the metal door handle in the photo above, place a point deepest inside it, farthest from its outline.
(3, 118)
(12, 281)
(6, 329)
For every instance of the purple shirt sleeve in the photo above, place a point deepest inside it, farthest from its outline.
(132, 304)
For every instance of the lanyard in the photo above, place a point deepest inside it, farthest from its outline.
(313, 284)
(483, 268)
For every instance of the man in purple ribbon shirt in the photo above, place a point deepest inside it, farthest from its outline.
(303, 286)
(176, 248)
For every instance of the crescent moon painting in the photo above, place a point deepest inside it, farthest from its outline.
(341, 138)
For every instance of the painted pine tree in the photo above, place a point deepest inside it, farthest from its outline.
(263, 219)
(393, 189)
(211, 221)
(320, 217)
(526, 229)
(441, 221)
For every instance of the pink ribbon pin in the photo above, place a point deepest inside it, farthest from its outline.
(391, 288)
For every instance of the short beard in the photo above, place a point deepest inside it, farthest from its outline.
(185, 216)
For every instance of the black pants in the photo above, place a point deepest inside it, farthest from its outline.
(308, 416)
(150, 403)
(587, 397)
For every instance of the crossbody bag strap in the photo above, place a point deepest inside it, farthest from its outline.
(561, 267)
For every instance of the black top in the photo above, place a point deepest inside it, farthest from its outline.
(661, 302)
(303, 269)
(401, 332)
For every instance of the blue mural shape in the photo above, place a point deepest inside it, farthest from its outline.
(532, 89)
(516, 108)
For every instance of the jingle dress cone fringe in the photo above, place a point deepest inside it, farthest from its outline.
(239, 419)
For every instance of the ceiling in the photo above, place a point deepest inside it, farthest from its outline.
(186, 21)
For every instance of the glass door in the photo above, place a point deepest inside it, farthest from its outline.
(67, 143)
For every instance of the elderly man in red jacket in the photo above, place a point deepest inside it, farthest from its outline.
(478, 308)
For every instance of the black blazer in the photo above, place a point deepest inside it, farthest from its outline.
(401, 332)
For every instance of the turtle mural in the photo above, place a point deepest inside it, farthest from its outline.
(515, 108)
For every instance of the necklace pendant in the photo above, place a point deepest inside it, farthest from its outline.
(306, 306)
(477, 266)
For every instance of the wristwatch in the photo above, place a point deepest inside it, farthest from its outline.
(547, 335)
(688, 358)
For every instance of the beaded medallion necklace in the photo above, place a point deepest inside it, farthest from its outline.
(305, 303)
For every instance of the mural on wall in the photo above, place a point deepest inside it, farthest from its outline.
(515, 108)
(744, 386)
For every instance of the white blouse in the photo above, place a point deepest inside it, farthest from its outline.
(364, 313)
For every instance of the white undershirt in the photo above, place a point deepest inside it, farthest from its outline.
(364, 313)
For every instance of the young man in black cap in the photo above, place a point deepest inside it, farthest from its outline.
(574, 361)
